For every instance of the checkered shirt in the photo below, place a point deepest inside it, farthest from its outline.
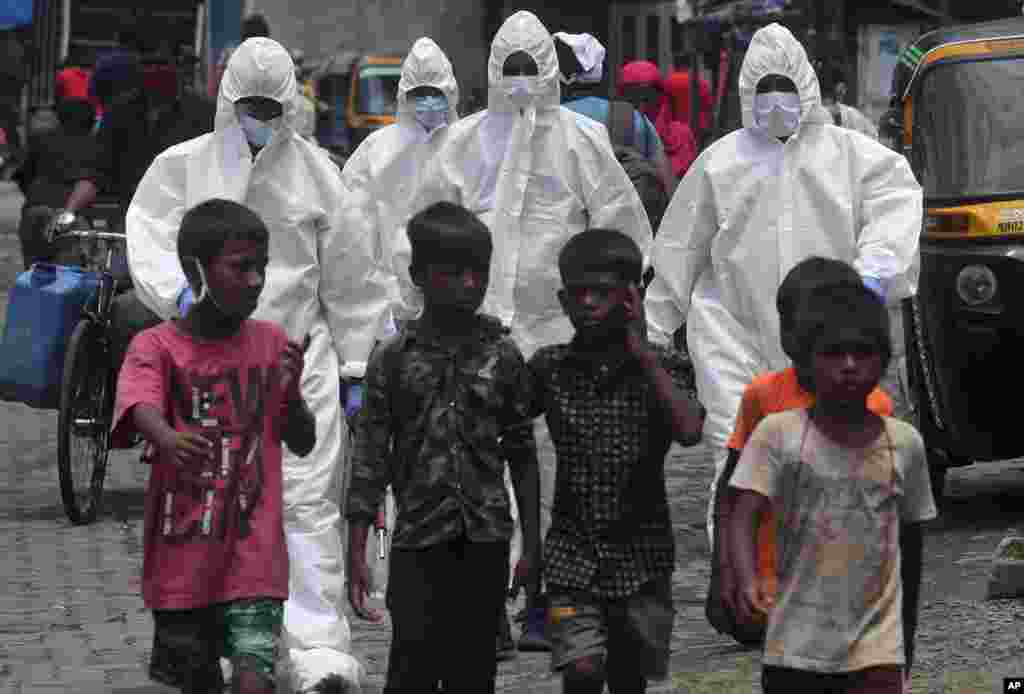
(611, 531)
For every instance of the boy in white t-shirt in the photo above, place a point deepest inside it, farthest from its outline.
(842, 480)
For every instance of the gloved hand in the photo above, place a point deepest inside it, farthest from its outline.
(352, 393)
(875, 285)
(185, 300)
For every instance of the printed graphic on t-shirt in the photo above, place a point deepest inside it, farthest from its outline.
(201, 504)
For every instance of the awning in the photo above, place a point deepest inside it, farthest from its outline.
(15, 13)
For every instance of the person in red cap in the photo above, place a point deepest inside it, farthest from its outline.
(677, 85)
(641, 84)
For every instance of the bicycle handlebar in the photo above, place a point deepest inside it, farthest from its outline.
(91, 234)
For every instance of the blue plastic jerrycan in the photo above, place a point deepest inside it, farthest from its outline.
(43, 308)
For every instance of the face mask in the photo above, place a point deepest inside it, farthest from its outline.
(431, 112)
(258, 132)
(778, 113)
(204, 290)
(520, 90)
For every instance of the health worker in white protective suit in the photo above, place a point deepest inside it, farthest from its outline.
(537, 174)
(381, 179)
(323, 280)
(787, 185)
(383, 176)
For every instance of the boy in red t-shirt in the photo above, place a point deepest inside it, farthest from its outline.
(774, 392)
(214, 394)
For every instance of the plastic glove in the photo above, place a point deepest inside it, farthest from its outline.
(353, 398)
(875, 285)
(185, 300)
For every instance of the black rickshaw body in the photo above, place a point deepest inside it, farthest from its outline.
(961, 92)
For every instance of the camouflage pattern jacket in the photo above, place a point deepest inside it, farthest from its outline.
(439, 422)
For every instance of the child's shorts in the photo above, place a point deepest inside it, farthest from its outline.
(637, 629)
(188, 644)
(883, 679)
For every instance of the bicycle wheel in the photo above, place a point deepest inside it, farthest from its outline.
(83, 427)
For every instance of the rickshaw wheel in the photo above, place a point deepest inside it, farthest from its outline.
(83, 436)
(938, 457)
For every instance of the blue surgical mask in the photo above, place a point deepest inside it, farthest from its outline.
(258, 132)
(431, 111)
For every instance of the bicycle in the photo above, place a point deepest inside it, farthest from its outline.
(88, 384)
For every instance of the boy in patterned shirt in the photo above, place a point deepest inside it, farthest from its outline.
(446, 407)
(614, 404)
(846, 483)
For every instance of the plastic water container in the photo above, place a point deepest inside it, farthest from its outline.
(43, 308)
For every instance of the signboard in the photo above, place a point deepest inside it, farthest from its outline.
(15, 13)
(880, 47)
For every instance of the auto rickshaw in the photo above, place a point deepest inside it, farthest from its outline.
(360, 93)
(960, 100)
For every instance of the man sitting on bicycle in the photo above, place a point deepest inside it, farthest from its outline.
(129, 139)
(57, 160)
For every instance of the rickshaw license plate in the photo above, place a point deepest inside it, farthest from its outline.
(1011, 221)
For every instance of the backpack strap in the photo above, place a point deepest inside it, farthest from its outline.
(620, 123)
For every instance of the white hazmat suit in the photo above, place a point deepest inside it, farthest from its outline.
(750, 208)
(381, 179)
(537, 174)
(383, 176)
(323, 280)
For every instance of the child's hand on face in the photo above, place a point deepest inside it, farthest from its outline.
(632, 311)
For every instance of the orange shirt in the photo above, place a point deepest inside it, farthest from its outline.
(769, 394)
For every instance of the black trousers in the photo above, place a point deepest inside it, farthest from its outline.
(444, 601)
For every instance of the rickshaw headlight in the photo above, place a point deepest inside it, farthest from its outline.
(976, 285)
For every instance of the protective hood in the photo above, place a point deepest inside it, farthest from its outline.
(259, 67)
(523, 32)
(589, 53)
(427, 66)
(775, 51)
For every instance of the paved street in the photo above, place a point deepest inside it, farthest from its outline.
(72, 620)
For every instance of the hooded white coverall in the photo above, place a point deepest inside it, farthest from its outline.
(383, 176)
(536, 174)
(750, 208)
(381, 179)
(323, 280)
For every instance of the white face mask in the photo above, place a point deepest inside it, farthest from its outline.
(258, 132)
(777, 113)
(520, 90)
(204, 291)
